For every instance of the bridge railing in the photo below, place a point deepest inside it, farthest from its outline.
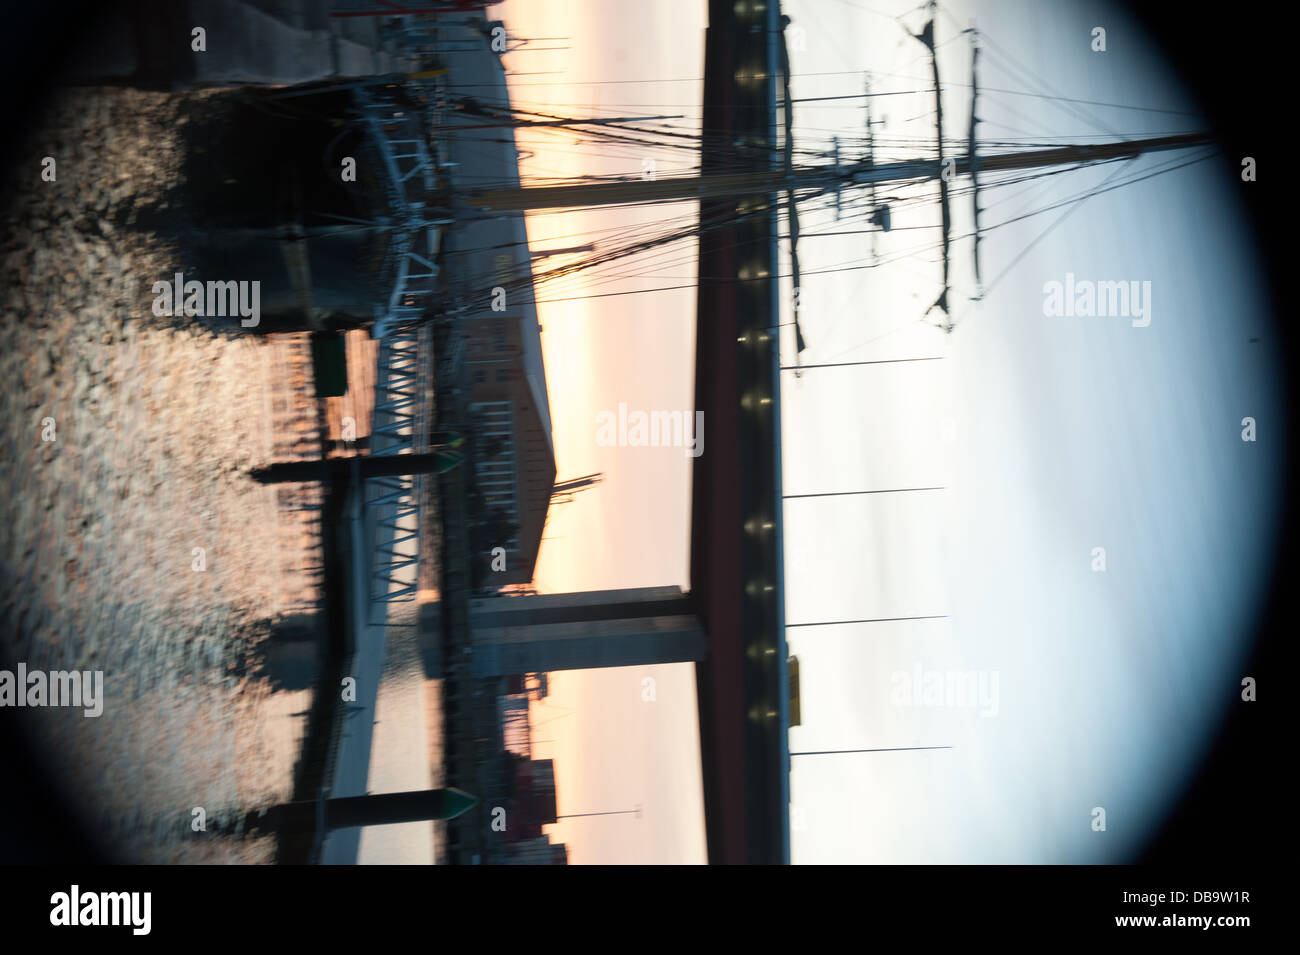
(402, 389)
(410, 177)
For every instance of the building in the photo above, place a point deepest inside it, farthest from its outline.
(534, 803)
(537, 851)
(516, 733)
(514, 460)
(499, 354)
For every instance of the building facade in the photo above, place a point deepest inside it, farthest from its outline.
(500, 353)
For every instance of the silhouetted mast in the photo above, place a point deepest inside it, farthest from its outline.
(822, 177)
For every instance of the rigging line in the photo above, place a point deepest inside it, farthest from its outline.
(1097, 191)
(639, 237)
(870, 341)
(1078, 202)
(604, 233)
(1028, 195)
(602, 133)
(1056, 96)
(571, 269)
(916, 250)
(858, 6)
(905, 254)
(1031, 122)
(1050, 96)
(837, 623)
(1118, 185)
(886, 749)
(854, 364)
(855, 96)
(578, 298)
(671, 252)
(717, 220)
(1085, 102)
(642, 260)
(1017, 72)
(697, 79)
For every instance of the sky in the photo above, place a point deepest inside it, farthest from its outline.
(1052, 436)
(614, 749)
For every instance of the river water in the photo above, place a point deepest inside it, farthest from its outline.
(132, 541)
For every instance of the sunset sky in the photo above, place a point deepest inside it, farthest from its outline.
(1054, 435)
(612, 750)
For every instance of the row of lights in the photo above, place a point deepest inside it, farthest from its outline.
(755, 525)
(753, 400)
